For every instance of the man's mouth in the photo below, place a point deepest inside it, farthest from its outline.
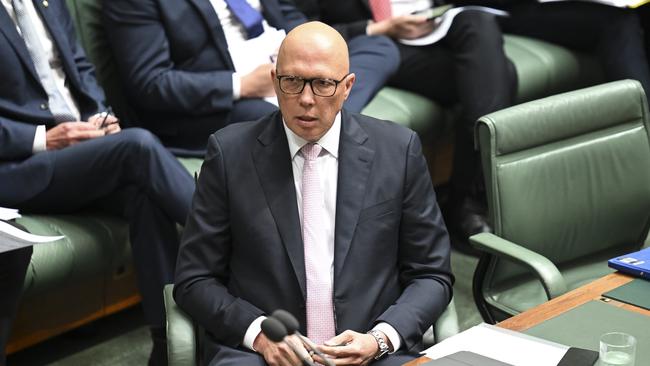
(306, 118)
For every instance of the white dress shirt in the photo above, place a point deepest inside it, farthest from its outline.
(327, 165)
(404, 7)
(246, 53)
(53, 59)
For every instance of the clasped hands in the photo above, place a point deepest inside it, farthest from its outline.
(69, 133)
(347, 348)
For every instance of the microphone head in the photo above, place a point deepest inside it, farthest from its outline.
(287, 319)
(274, 329)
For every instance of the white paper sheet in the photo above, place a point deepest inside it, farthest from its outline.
(13, 238)
(257, 51)
(443, 23)
(616, 3)
(502, 345)
(8, 213)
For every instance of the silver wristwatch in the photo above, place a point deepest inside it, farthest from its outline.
(383, 346)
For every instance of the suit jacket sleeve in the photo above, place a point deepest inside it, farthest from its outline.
(202, 267)
(16, 139)
(312, 9)
(291, 14)
(143, 54)
(424, 264)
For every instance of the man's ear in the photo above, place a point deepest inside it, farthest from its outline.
(349, 81)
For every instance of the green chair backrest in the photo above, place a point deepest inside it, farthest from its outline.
(569, 176)
(87, 16)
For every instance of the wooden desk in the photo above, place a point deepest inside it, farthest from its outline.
(561, 304)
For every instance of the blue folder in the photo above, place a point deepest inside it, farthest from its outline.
(637, 263)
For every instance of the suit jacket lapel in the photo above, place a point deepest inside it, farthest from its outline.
(211, 19)
(8, 27)
(355, 162)
(273, 165)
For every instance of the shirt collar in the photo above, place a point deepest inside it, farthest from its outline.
(329, 141)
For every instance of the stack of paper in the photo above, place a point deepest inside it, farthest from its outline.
(500, 344)
(12, 237)
(616, 3)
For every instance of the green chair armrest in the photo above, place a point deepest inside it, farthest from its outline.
(548, 273)
(447, 324)
(181, 339)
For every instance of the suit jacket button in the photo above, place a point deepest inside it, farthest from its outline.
(43, 106)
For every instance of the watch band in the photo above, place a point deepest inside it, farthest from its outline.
(383, 346)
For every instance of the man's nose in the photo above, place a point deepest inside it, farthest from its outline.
(307, 96)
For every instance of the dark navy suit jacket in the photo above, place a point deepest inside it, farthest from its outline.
(174, 61)
(241, 255)
(24, 102)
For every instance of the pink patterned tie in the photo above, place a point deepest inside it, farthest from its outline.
(320, 311)
(380, 9)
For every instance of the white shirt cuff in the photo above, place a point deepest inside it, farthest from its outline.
(392, 335)
(40, 140)
(251, 333)
(236, 86)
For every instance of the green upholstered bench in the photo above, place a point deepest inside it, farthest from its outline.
(75, 280)
(92, 265)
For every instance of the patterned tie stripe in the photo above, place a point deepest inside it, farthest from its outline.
(320, 310)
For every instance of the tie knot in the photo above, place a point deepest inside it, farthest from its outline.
(310, 151)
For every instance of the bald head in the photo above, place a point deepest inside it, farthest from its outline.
(314, 68)
(315, 40)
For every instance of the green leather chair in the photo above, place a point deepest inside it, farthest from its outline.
(182, 337)
(568, 186)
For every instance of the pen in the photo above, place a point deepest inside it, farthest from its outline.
(108, 111)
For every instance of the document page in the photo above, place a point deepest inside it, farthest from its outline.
(12, 238)
(500, 344)
(616, 3)
(8, 213)
(443, 23)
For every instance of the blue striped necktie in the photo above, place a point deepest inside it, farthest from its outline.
(250, 18)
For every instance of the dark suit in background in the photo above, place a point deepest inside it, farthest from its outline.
(468, 67)
(242, 252)
(127, 173)
(174, 61)
(613, 35)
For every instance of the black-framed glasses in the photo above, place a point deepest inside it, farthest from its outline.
(321, 87)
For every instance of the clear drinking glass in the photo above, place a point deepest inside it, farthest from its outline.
(617, 349)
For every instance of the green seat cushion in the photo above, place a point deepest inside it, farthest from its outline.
(408, 109)
(91, 265)
(193, 165)
(545, 69)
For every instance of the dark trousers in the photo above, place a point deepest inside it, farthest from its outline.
(468, 67)
(132, 175)
(13, 266)
(613, 35)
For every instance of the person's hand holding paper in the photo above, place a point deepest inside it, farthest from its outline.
(411, 26)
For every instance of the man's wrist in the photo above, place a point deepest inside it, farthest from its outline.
(382, 343)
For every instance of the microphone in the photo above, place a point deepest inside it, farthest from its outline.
(291, 325)
(276, 331)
